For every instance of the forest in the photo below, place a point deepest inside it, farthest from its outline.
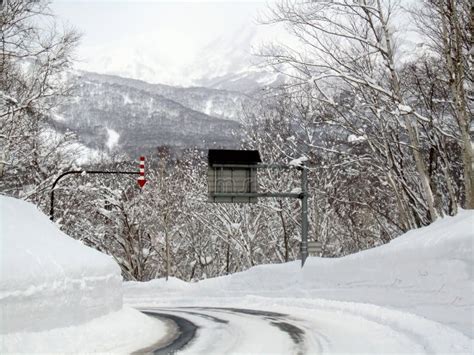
(385, 124)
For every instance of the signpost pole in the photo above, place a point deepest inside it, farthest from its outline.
(304, 215)
(141, 178)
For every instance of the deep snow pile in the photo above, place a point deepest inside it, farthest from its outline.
(427, 272)
(51, 284)
(47, 279)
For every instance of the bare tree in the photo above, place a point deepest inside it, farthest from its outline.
(448, 29)
(345, 57)
(34, 57)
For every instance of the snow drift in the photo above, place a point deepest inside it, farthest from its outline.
(57, 295)
(124, 331)
(47, 279)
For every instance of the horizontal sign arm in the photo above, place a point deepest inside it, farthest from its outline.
(258, 194)
(258, 166)
(51, 211)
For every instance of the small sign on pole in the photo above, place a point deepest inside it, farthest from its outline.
(315, 247)
(141, 178)
(232, 172)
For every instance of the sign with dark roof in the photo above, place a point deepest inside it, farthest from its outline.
(238, 157)
(232, 172)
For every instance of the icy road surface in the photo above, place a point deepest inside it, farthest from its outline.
(212, 330)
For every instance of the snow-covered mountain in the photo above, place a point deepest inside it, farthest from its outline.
(132, 116)
(228, 62)
(213, 102)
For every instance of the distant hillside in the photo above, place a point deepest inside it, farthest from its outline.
(132, 116)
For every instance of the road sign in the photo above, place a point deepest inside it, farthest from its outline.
(315, 247)
(232, 172)
(141, 178)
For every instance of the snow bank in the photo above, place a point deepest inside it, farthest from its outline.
(57, 295)
(124, 331)
(173, 284)
(47, 279)
(427, 272)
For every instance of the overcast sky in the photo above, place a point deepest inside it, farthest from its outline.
(163, 41)
(105, 21)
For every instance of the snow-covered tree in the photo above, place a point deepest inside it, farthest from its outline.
(353, 82)
(447, 27)
(34, 55)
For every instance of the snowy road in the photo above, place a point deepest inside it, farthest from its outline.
(229, 330)
(212, 330)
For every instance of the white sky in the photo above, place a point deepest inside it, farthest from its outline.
(162, 41)
(168, 41)
(106, 21)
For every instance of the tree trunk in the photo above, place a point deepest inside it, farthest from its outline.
(411, 129)
(452, 42)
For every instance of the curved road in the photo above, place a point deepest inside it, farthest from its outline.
(334, 328)
(225, 329)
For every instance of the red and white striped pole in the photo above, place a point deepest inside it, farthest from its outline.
(141, 178)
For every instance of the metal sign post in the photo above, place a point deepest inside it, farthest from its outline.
(141, 179)
(225, 186)
(304, 215)
(315, 248)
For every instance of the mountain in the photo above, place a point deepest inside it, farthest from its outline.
(117, 114)
(219, 103)
(227, 62)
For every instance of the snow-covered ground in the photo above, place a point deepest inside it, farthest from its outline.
(412, 295)
(57, 295)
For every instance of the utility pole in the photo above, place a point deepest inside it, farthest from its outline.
(167, 255)
(304, 214)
